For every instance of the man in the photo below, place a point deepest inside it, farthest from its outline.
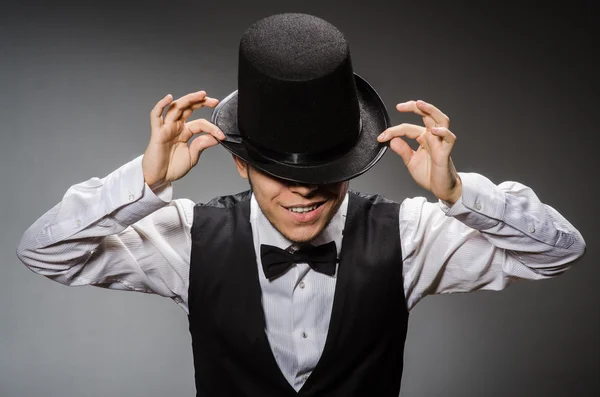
(298, 286)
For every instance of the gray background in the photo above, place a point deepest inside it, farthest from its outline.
(518, 82)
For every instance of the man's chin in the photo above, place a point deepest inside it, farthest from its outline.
(302, 236)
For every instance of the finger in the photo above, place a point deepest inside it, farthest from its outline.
(425, 109)
(157, 111)
(210, 102)
(440, 118)
(424, 142)
(203, 125)
(399, 146)
(176, 109)
(207, 102)
(430, 142)
(429, 122)
(410, 107)
(199, 144)
(411, 131)
(445, 134)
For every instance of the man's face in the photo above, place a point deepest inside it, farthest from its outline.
(300, 212)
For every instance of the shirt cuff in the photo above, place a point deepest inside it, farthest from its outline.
(138, 200)
(481, 204)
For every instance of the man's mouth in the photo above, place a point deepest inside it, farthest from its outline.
(305, 208)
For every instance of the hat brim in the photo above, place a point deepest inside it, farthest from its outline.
(364, 155)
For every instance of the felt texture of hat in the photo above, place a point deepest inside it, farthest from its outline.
(300, 112)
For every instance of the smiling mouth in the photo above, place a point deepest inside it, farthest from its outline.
(305, 209)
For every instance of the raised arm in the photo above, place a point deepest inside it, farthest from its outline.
(489, 237)
(123, 231)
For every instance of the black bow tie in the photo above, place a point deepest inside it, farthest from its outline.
(276, 261)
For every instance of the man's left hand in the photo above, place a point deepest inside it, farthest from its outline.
(430, 165)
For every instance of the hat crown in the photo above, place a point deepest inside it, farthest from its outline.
(297, 98)
(294, 46)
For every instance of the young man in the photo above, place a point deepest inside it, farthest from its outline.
(298, 286)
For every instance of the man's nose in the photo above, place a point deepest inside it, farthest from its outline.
(303, 189)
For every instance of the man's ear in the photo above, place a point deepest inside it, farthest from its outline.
(242, 166)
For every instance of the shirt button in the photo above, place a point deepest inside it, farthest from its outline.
(531, 229)
(301, 285)
(78, 222)
(477, 205)
(131, 197)
(304, 335)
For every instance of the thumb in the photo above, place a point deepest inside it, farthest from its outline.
(400, 146)
(199, 144)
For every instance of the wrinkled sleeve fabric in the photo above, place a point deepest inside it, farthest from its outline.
(114, 232)
(492, 236)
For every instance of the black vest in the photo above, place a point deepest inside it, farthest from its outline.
(364, 349)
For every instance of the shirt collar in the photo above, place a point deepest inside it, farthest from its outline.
(265, 233)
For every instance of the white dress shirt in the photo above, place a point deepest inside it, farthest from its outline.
(117, 233)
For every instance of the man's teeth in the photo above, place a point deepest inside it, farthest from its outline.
(303, 209)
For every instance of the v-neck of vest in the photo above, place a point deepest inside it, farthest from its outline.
(337, 311)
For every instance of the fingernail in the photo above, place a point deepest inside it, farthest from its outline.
(381, 136)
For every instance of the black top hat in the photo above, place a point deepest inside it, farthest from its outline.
(300, 112)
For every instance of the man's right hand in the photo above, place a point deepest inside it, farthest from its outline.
(168, 156)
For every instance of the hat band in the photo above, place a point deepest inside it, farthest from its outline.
(314, 158)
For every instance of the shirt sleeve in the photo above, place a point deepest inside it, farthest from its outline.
(492, 236)
(117, 233)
